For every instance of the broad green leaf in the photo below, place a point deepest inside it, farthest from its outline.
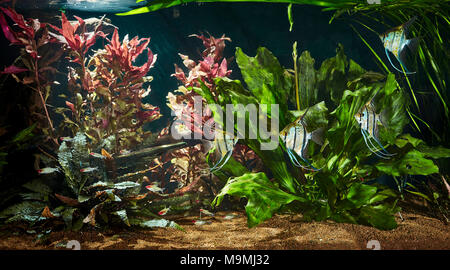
(266, 79)
(360, 194)
(412, 163)
(154, 223)
(122, 214)
(379, 216)
(307, 81)
(264, 198)
(24, 134)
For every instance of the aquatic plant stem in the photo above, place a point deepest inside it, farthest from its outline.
(294, 56)
(38, 84)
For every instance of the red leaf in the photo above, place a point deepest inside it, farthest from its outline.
(20, 21)
(9, 34)
(71, 106)
(13, 70)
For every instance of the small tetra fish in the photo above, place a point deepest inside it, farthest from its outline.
(97, 155)
(66, 139)
(47, 170)
(368, 120)
(154, 188)
(296, 139)
(164, 211)
(206, 212)
(395, 41)
(201, 222)
(88, 169)
(230, 216)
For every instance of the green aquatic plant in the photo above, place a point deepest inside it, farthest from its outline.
(338, 191)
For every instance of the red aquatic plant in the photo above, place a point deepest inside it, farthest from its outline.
(212, 65)
(36, 57)
(79, 44)
(109, 86)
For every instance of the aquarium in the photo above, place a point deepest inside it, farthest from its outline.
(224, 125)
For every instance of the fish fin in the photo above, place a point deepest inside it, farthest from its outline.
(223, 160)
(382, 147)
(413, 44)
(366, 140)
(390, 61)
(317, 136)
(407, 24)
(296, 163)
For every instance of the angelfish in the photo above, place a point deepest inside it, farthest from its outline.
(224, 144)
(296, 139)
(395, 41)
(368, 120)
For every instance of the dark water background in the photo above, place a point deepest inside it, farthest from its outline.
(249, 25)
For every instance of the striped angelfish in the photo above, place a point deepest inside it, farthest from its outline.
(395, 41)
(368, 120)
(224, 144)
(296, 139)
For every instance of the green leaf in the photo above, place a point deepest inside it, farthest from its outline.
(307, 81)
(154, 223)
(264, 198)
(25, 134)
(412, 163)
(291, 20)
(266, 79)
(38, 186)
(379, 216)
(29, 211)
(122, 214)
(360, 194)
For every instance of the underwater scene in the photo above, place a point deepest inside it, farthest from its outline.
(224, 125)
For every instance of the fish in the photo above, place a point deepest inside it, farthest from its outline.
(66, 139)
(164, 211)
(201, 222)
(154, 188)
(206, 212)
(124, 152)
(106, 154)
(368, 121)
(230, 216)
(224, 144)
(296, 139)
(395, 41)
(88, 169)
(97, 155)
(47, 170)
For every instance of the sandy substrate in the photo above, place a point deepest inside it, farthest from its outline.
(279, 233)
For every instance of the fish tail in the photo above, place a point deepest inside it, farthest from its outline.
(382, 148)
(367, 141)
(390, 61)
(317, 136)
(297, 163)
(223, 160)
